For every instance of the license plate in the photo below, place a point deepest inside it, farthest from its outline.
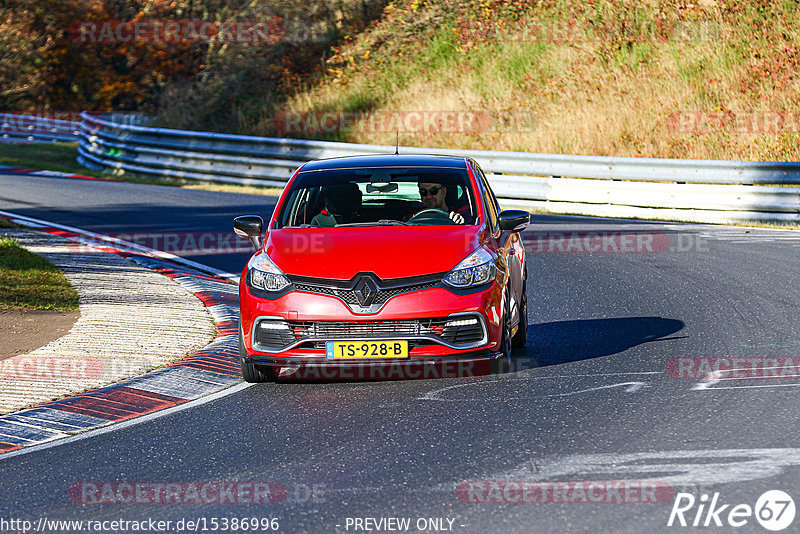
(350, 350)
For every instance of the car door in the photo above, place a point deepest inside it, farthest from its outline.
(508, 246)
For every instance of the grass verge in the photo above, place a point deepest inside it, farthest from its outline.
(692, 80)
(30, 282)
(51, 156)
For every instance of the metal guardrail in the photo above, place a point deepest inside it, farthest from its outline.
(32, 128)
(698, 190)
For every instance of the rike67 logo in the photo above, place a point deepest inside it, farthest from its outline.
(774, 510)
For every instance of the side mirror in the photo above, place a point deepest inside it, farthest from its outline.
(514, 220)
(250, 227)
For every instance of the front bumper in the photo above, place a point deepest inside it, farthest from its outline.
(425, 306)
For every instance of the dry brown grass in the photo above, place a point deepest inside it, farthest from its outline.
(582, 96)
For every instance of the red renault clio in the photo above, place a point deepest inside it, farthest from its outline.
(373, 260)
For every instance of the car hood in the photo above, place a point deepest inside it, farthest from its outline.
(389, 252)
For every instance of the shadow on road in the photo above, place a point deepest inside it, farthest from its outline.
(570, 341)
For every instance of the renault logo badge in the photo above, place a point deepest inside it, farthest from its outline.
(366, 291)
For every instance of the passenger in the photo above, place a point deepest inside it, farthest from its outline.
(342, 205)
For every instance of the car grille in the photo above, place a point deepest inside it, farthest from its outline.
(349, 295)
(463, 331)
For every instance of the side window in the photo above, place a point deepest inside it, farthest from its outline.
(491, 193)
(489, 200)
(289, 215)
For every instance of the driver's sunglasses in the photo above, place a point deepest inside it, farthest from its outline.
(432, 191)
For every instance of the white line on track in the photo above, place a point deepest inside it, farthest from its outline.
(122, 244)
(112, 427)
(632, 386)
(706, 384)
(716, 377)
(754, 386)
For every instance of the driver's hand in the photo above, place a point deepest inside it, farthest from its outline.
(456, 217)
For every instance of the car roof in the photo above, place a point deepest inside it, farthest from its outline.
(385, 160)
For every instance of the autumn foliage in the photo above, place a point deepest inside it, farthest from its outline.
(44, 65)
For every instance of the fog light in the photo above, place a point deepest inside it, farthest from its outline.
(462, 322)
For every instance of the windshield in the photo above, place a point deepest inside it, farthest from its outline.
(379, 196)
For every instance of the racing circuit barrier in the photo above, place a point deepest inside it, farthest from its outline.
(682, 190)
(37, 128)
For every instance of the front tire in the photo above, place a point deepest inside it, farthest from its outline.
(253, 373)
(502, 364)
(521, 337)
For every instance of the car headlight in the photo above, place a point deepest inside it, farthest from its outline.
(263, 274)
(476, 269)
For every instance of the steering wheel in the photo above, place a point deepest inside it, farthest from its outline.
(431, 216)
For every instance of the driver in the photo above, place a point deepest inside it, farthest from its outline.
(432, 195)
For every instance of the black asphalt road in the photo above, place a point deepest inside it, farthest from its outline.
(588, 400)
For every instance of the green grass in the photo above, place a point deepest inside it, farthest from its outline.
(4, 223)
(28, 281)
(51, 156)
(61, 157)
